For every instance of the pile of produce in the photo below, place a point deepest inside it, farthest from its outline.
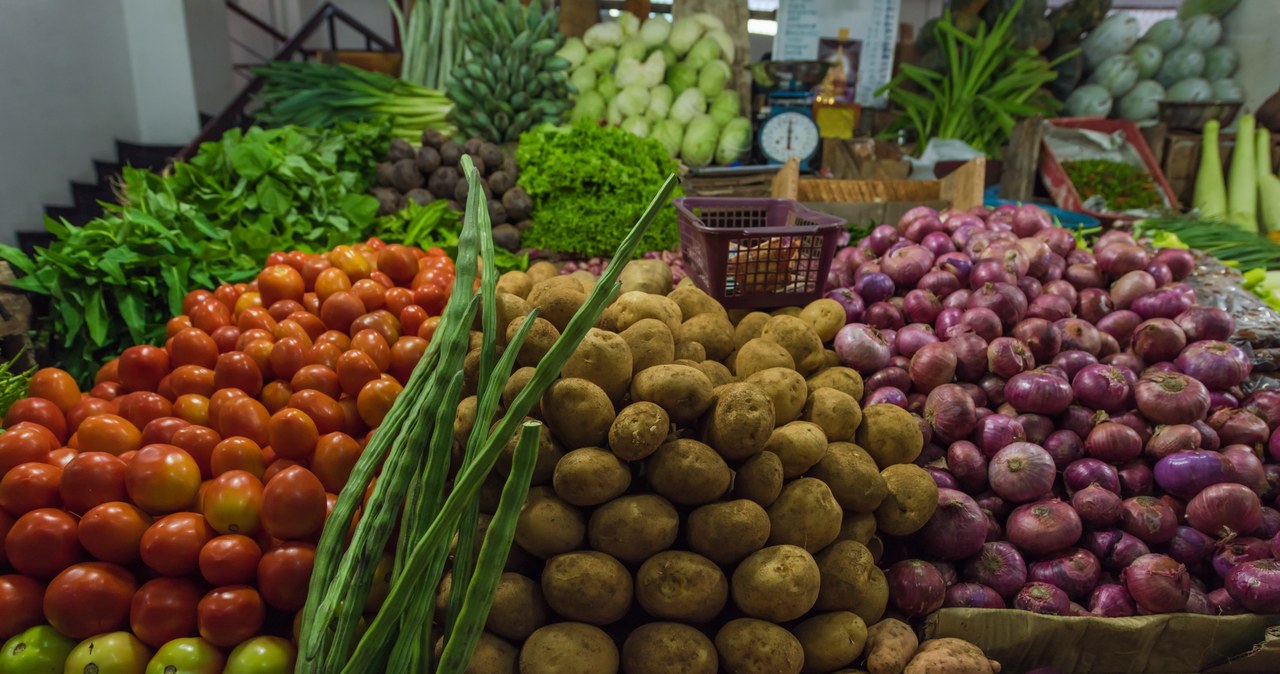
(1084, 420)
(1119, 186)
(1251, 200)
(671, 81)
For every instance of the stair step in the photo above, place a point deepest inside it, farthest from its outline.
(153, 157)
(105, 171)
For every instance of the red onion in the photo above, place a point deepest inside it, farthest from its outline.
(889, 376)
(1083, 275)
(1097, 507)
(1225, 509)
(982, 321)
(1113, 442)
(1118, 259)
(922, 227)
(1218, 365)
(1079, 420)
(1041, 337)
(1059, 240)
(1238, 551)
(1007, 356)
(1120, 324)
(967, 464)
(1111, 601)
(1178, 507)
(1030, 287)
(1115, 549)
(886, 395)
(1038, 391)
(992, 503)
(1256, 585)
(1135, 478)
(1064, 446)
(1103, 387)
(1186, 473)
(884, 316)
(1265, 404)
(1042, 598)
(932, 366)
(1221, 399)
(1160, 272)
(910, 338)
(1209, 440)
(995, 432)
(938, 243)
(921, 306)
(1080, 256)
(898, 360)
(862, 348)
(1130, 287)
(957, 529)
(971, 355)
(1006, 300)
(1201, 323)
(1272, 473)
(990, 271)
(1029, 219)
(1222, 603)
(1136, 422)
(1157, 583)
(1166, 302)
(1050, 308)
(1043, 527)
(958, 264)
(882, 237)
(1093, 305)
(1079, 335)
(947, 319)
(972, 595)
(1244, 467)
(1021, 472)
(997, 565)
(1238, 427)
(1171, 398)
(993, 386)
(978, 396)
(906, 265)
(1190, 546)
(1180, 262)
(1072, 361)
(874, 287)
(950, 412)
(915, 587)
(850, 301)
(1149, 519)
(1084, 472)
(1107, 345)
(1075, 571)
(942, 478)
(940, 283)
(915, 404)
(1063, 289)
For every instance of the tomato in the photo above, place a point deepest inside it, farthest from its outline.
(235, 369)
(262, 655)
(275, 396)
(90, 598)
(412, 317)
(193, 298)
(86, 408)
(310, 323)
(142, 367)
(376, 399)
(226, 337)
(42, 543)
(218, 401)
(375, 345)
(431, 296)
(29, 486)
(292, 434)
(108, 433)
(350, 261)
(280, 311)
(40, 412)
(198, 442)
(107, 390)
(114, 653)
(230, 560)
(191, 655)
(228, 294)
(193, 347)
(323, 410)
(399, 263)
(330, 281)
(260, 352)
(283, 575)
(21, 600)
(143, 406)
(397, 299)
(254, 334)
(280, 282)
(405, 354)
(246, 301)
(288, 355)
(112, 531)
(6, 523)
(335, 457)
(229, 615)
(340, 309)
(352, 424)
(163, 479)
(162, 430)
(232, 502)
(237, 453)
(191, 379)
(23, 445)
(92, 478)
(247, 418)
(277, 466)
(55, 386)
(37, 650)
(110, 371)
(372, 295)
(171, 546)
(293, 504)
(319, 377)
(381, 322)
(192, 408)
(164, 609)
(311, 269)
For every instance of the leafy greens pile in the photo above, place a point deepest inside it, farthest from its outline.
(589, 185)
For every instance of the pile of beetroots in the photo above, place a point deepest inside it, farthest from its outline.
(1083, 419)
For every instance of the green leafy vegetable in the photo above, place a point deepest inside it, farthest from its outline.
(13, 384)
(1121, 186)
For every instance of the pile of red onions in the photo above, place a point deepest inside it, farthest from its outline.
(1083, 416)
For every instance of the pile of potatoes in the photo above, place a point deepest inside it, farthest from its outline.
(707, 494)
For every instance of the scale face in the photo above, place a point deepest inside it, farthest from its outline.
(789, 134)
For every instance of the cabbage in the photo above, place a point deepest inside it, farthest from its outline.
(636, 126)
(704, 51)
(1203, 31)
(735, 140)
(708, 21)
(590, 106)
(1089, 100)
(688, 105)
(1147, 57)
(1190, 90)
(668, 55)
(633, 100)
(1165, 34)
(573, 51)
(602, 59)
(670, 133)
(614, 114)
(630, 71)
(583, 78)
(1180, 64)
(1117, 74)
(632, 47)
(684, 32)
(1142, 102)
(603, 35)
(1115, 35)
(699, 145)
(713, 77)
(1220, 62)
(655, 31)
(726, 45)
(654, 70)
(1227, 90)
(607, 87)
(660, 98)
(681, 76)
(630, 23)
(725, 106)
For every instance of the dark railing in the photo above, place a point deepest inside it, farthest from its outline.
(327, 17)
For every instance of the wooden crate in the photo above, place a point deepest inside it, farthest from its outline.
(882, 201)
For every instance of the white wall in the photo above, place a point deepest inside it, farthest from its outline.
(210, 46)
(1250, 28)
(163, 90)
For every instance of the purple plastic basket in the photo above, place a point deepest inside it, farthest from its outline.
(752, 253)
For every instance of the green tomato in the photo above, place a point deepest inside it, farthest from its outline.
(112, 653)
(39, 650)
(262, 655)
(191, 655)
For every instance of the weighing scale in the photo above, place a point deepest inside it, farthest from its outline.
(789, 129)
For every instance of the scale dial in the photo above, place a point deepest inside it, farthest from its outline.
(789, 134)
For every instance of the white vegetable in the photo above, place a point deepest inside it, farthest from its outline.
(1227, 90)
(735, 140)
(1142, 102)
(633, 100)
(636, 126)
(688, 105)
(726, 45)
(573, 51)
(607, 34)
(653, 70)
(630, 23)
(1115, 35)
(670, 133)
(632, 47)
(1147, 57)
(1165, 34)
(681, 76)
(607, 87)
(1203, 31)
(684, 32)
(1220, 62)
(583, 78)
(1116, 73)
(713, 77)
(655, 31)
(1190, 90)
(1090, 100)
(660, 98)
(1180, 64)
(628, 72)
(699, 145)
(704, 51)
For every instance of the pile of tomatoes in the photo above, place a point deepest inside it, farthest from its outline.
(175, 505)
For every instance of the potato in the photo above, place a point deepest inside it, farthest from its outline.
(761, 354)
(830, 358)
(636, 306)
(835, 412)
(890, 645)
(800, 445)
(778, 583)
(786, 311)
(717, 373)
(950, 656)
(759, 479)
(668, 648)
(749, 646)
(713, 331)
(853, 477)
(855, 526)
(787, 390)
(831, 640)
(638, 430)
(569, 648)
(549, 453)
(542, 336)
(519, 560)
(633, 528)
(517, 283)
(464, 419)
(508, 307)
(541, 271)
(890, 435)
(651, 344)
(690, 351)
(794, 335)
(912, 497)
(648, 276)
(586, 278)
(608, 320)
(578, 412)
(557, 299)
(683, 391)
(688, 472)
(549, 526)
(749, 327)
(604, 359)
(681, 586)
(687, 363)
(805, 514)
(587, 586)
(491, 656)
(740, 422)
(515, 384)
(590, 476)
(826, 316)
(694, 302)
(727, 532)
(841, 378)
(470, 372)
(518, 608)
(851, 581)
(475, 340)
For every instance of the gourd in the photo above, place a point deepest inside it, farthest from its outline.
(1115, 35)
(1227, 90)
(1180, 64)
(1190, 90)
(1117, 74)
(1090, 100)
(1142, 102)
(1165, 34)
(1147, 57)
(1203, 31)
(1220, 62)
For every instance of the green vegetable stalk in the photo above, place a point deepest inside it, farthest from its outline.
(1210, 196)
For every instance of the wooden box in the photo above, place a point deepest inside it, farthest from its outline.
(882, 201)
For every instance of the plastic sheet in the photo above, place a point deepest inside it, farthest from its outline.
(1257, 325)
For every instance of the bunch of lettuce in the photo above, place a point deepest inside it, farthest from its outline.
(589, 184)
(670, 81)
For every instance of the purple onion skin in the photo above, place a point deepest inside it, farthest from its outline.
(1225, 509)
(1270, 524)
(971, 356)
(1167, 302)
(916, 588)
(942, 478)
(1051, 308)
(1127, 361)
(973, 595)
(1221, 399)
(1115, 549)
(1073, 360)
(1160, 272)
(1265, 404)
(997, 565)
(957, 300)
(906, 265)
(1239, 427)
(850, 301)
(874, 287)
(1222, 603)
(1136, 478)
(1157, 584)
(1113, 442)
(1043, 527)
(939, 282)
(1171, 398)
(967, 465)
(1238, 551)
(983, 322)
(912, 337)
(1218, 365)
(886, 395)
(1255, 585)
(1129, 287)
(884, 316)
(1093, 304)
(957, 529)
(921, 306)
(1180, 262)
(1039, 392)
(889, 376)
(951, 412)
(932, 366)
(1102, 387)
(1136, 422)
(1065, 447)
(938, 243)
(1149, 519)
(1272, 473)
(1079, 420)
(1007, 357)
(882, 237)
(862, 348)
(995, 432)
(1084, 472)
(900, 361)
(1190, 546)
(1065, 290)
(958, 264)
(990, 271)
(1041, 337)
(1097, 507)
(1202, 323)
(1111, 601)
(915, 402)
(1120, 325)
(1117, 257)
(1037, 427)
(1244, 467)
(1084, 276)
(1021, 472)
(1042, 598)
(993, 386)
(947, 319)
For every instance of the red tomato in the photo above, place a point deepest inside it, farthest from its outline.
(42, 543)
(282, 310)
(293, 504)
(277, 257)
(340, 309)
(247, 300)
(229, 615)
(62, 456)
(21, 600)
(280, 282)
(335, 456)
(192, 408)
(405, 354)
(237, 453)
(56, 386)
(107, 390)
(93, 478)
(29, 486)
(142, 367)
(198, 442)
(376, 399)
(319, 377)
(163, 479)
(310, 323)
(399, 263)
(375, 345)
(355, 369)
(171, 546)
(230, 560)
(397, 299)
(142, 406)
(86, 408)
(349, 260)
(6, 523)
(245, 417)
(292, 434)
(283, 575)
(277, 466)
(232, 502)
(412, 317)
(40, 412)
(235, 369)
(260, 352)
(193, 347)
(228, 294)
(288, 355)
(210, 315)
(352, 424)
(162, 430)
(311, 269)
(193, 298)
(330, 281)
(19, 446)
(191, 379)
(112, 532)
(324, 411)
(381, 322)
(175, 325)
(372, 294)
(164, 609)
(108, 433)
(110, 371)
(275, 396)
(226, 337)
(218, 401)
(88, 599)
